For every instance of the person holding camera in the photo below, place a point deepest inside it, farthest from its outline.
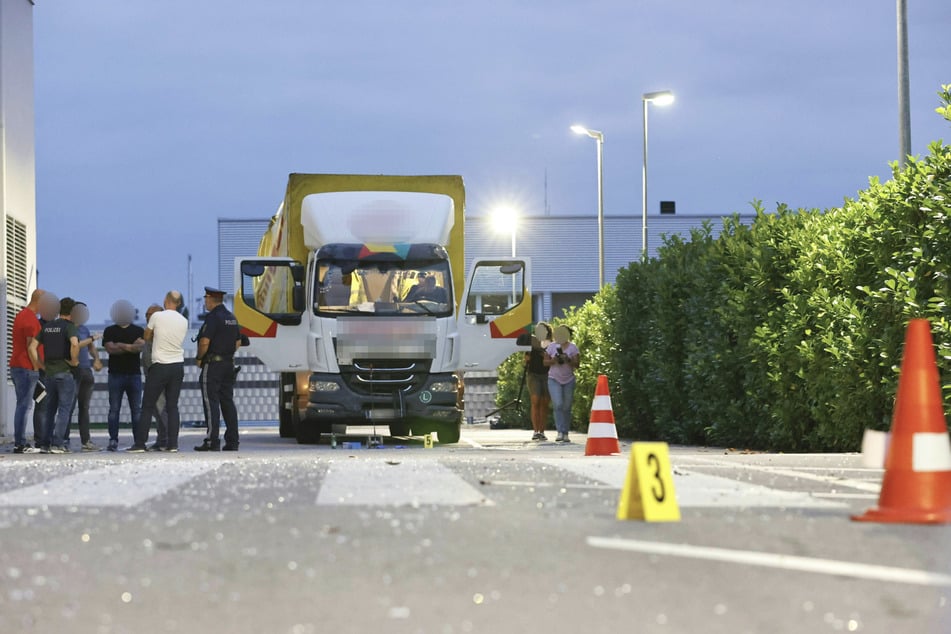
(536, 373)
(562, 358)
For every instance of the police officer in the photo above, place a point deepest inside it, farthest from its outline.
(218, 340)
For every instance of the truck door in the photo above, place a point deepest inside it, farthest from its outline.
(497, 308)
(270, 305)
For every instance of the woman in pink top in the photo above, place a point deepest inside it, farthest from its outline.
(562, 357)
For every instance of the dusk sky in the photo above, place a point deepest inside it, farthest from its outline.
(153, 119)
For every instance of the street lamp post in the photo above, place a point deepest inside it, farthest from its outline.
(659, 98)
(599, 138)
(904, 114)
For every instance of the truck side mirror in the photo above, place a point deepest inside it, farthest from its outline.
(297, 298)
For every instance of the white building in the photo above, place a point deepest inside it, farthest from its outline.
(563, 249)
(564, 253)
(17, 179)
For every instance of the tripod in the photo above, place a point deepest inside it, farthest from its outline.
(517, 402)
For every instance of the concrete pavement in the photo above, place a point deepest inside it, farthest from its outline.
(495, 534)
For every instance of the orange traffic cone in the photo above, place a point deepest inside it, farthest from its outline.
(602, 434)
(916, 488)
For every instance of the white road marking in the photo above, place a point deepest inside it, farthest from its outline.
(835, 481)
(846, 496)
(775, 560)
(126, 484)
(704, 462)
(409, 483)
(695, 490)
(546, 485)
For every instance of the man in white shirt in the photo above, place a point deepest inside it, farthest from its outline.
(166, 331)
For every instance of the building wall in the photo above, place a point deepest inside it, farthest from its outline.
(563, 249)
(17, 179)
(564, 253)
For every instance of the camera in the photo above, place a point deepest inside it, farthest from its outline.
(561, 357)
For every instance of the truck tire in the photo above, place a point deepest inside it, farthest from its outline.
(449, 434)
(399, 429)
(288, 416)
(308, 432)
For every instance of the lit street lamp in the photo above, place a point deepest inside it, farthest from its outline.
(599, 137)
(505, 220)
(659, 98)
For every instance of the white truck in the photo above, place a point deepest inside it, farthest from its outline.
(356, 297)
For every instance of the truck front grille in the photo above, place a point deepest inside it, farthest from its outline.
(385, 376)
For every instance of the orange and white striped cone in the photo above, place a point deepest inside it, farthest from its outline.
(916, 488)
(602, 433)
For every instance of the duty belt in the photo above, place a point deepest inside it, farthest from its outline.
(217, 357)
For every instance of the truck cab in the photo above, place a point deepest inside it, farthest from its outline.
(376, 327)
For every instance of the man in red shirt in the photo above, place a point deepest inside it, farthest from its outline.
(22, 370)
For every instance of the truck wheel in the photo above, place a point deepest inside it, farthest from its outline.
(308, 432)
(449, 434)
(288, 416)
(399, 430)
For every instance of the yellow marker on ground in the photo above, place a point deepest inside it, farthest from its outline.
(428, 441)
(648, 492)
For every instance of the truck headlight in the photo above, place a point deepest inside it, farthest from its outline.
(442, 386)
(324, 386)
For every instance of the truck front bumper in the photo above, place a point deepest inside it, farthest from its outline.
(332, 400)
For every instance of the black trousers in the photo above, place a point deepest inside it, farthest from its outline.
(161, 378)
(85, 382)
(217, 392)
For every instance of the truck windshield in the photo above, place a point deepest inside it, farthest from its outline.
(394, 288)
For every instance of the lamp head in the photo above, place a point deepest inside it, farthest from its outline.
(580, 129)
(659, 98)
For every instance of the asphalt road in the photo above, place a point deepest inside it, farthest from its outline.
(494, 534)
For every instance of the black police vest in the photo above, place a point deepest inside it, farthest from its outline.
(55, 341)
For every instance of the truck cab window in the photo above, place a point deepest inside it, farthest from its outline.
(271, 289)
(495, 288)
(407, 287)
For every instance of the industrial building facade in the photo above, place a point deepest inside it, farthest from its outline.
(564, 254)
(17, 180)
(563, 249)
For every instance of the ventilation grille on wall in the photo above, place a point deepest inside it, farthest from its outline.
(18, 281)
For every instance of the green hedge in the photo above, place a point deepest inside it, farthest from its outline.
(593, 325)
(783, 335)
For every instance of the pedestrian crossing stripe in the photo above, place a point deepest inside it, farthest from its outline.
(694, 489)
(378, 482)
(126, 484)
(396, 483)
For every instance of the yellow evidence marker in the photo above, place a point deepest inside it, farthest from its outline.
(428, 441)
(648, 492)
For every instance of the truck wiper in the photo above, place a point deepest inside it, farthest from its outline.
(420, 303)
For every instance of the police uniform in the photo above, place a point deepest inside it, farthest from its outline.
(218, 375)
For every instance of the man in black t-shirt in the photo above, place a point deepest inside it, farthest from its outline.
(123, 341)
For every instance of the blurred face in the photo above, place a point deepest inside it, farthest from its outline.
(80, 314)
(49, 307)
(122, 313)
(150, 312)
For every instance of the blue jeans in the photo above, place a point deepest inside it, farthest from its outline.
(60, 394)
(129, 385)
(561, 398)
(24, 382)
